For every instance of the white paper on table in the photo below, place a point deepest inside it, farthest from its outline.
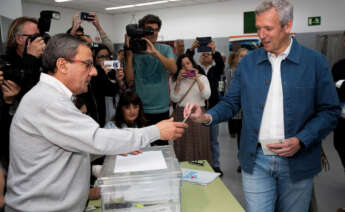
(150, 160)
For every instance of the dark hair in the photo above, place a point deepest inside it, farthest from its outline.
(99, 48)
(60, 46)
(80, 29)
(79, 102)
(126, 99)
(179, 65)
(150, 19)
(16, 28)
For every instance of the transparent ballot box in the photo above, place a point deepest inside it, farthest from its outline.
(138, 189)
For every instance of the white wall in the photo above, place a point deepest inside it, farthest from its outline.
(61, 26)
(11, 8)
(216, 20)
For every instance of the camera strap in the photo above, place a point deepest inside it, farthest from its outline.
(186, 92)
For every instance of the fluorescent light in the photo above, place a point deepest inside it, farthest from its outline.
(58, 1)
(135, 5)
(120, 7)
(150, 3)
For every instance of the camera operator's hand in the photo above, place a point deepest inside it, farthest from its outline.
(128, 51)
(36, 47)
(96, 23)
(106, 68)
(194, 45)
(150, 49)
(212, 45)
(75, 24)
(10, 90)
(1, 78)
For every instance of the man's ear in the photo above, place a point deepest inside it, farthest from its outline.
(61, 65)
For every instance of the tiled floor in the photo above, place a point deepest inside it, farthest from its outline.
(330, 186)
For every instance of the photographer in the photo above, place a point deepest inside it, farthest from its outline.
(23, 53)
(20, 69)
(77, 30)
(105, 84)
(148, 71)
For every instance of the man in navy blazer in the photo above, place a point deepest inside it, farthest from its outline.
(289, 105)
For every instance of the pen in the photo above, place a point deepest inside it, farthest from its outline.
(185, 119)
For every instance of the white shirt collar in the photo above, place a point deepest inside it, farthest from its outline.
(46, 78)
(284, 54)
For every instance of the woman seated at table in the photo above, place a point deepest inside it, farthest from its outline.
(189, 85)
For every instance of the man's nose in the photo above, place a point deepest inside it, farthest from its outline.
(93, 71)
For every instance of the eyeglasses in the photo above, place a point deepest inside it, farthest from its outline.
(103, 56)
(88, 63)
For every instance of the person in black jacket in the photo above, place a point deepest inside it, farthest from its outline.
(338, 72)
(213, 65)
(101, 86)
(18, 76)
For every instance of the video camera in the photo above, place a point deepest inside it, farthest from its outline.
(136, 44)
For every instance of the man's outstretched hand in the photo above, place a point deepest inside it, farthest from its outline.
(170, 130)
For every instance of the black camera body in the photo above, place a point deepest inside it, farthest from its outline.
(136, 44)
(86, 16)
(11, 72)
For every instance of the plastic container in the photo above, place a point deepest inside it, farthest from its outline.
(142, 191)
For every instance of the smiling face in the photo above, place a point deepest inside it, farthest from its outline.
(153, 38)
(274, 36)
(130, 113)
(78, 74)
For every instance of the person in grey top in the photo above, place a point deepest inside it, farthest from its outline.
(51, 140)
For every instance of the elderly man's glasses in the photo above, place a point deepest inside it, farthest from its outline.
(88, 63)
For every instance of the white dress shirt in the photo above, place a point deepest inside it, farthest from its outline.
(272, 123)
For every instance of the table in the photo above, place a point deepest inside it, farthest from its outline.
(215, 197)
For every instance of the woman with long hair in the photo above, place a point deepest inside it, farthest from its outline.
(129, 112)
(189, 85)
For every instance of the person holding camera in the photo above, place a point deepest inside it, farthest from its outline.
(20, 69)
(108, 83)
(189, 84)
(148, 70)
(92, 17)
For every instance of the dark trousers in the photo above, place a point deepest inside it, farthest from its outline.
(154, 119)
(339, 137)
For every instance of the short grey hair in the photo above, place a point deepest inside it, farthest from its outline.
(60, 46)
(284, 8)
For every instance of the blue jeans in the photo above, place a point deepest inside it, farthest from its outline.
(270, 189)
(214, 129)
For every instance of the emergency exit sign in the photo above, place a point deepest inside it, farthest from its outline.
(314, 21)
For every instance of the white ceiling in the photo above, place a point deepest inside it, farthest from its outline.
(100, 5)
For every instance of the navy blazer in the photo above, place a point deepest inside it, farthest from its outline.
(311, 105)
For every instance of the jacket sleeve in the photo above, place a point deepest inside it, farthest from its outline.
(230, 104)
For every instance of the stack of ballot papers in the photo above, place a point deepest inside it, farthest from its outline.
(198, 177)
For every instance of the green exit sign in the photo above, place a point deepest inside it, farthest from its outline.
(314, 21)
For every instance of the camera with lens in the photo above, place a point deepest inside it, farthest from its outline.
(10, 72)
(43, 25)
(136, 44)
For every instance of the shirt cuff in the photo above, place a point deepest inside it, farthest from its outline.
(339, 83)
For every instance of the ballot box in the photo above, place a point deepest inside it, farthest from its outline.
(149, 182)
